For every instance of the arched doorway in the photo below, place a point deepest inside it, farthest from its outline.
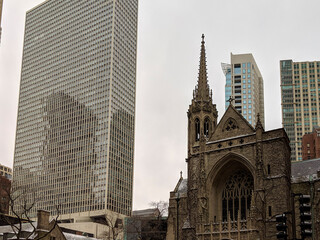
(231, 184)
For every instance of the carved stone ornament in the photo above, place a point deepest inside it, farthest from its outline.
(259, 163)
(195, 149)
(203, 209)
(207, 107)
(202, 138)
(230, 125)
(195, 107)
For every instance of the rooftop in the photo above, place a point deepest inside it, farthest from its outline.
(305, 170)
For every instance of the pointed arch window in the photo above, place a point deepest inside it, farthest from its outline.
(206, 127)
(197, 128)
(236, 196)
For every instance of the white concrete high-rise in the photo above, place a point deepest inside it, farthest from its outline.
(244, 84)
(75, 126)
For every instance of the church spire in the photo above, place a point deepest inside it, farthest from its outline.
(202, 91)
(202, 113)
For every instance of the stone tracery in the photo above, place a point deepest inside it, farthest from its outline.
(230, 125)
(236, 195)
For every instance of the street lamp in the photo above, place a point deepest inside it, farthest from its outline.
(178, 199)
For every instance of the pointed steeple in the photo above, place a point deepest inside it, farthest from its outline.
(202, 113)
(202, 91)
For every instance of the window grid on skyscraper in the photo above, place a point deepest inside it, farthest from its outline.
(300, 101)
(75, 127)
(245, 84)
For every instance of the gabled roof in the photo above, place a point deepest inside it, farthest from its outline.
(232, 124)
(183, 185)
(181, 188)
(305, 170)
(25, 227)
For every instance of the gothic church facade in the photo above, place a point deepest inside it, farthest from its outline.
(238, 174)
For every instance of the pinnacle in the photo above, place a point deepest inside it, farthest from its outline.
(202, 91)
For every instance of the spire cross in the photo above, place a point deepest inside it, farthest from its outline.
(230, 100)
(202, 38)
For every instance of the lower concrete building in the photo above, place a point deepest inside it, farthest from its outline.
(107, 226)
(5, 172)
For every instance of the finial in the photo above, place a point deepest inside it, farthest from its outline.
(202, 38)
(230, 100)
(181, 174)
(258, 119)
(258, 123)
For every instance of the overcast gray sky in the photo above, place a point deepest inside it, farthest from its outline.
(169, 37)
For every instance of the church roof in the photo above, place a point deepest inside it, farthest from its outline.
(182, 187)
(305, 170)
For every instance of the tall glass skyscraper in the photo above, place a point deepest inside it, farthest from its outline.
(244, 84)
(75, 127)
(300, 91)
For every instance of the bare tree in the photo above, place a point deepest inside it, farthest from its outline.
(21, 205)
(133, 228)
(162, 207)
(150, 225)
(155, 228)
(114, 223)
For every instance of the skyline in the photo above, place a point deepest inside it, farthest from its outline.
(167, 71)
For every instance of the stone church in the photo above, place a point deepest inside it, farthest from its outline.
(238, 174)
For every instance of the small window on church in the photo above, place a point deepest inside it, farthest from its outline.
(197, 128)
(269, 169)
(206, 127)
(231, 124)
(270, 212)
